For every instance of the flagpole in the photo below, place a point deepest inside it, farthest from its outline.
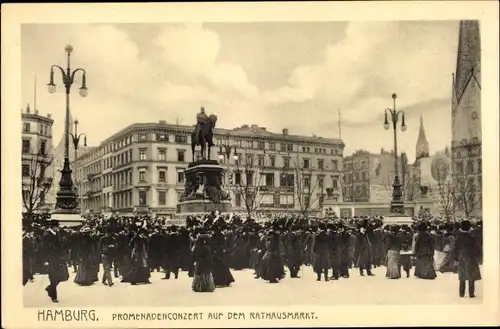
(340, 126)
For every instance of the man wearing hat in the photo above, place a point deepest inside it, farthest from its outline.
(468, 253)
(57, 270)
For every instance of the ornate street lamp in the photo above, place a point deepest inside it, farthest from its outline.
(66, 196)
(397, 203)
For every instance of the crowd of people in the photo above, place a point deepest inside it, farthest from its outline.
(208, 247)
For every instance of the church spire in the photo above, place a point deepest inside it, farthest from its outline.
(422, 149)
(468, 55)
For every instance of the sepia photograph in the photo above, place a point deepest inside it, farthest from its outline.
(255, 164)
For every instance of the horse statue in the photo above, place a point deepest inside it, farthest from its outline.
(205, 137)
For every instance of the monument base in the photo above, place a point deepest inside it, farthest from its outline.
(398, 219)
(67, 218)
(203, 206)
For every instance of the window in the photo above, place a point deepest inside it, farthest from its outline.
(286, 180)
(142, 175)
(273, 161)
(286, 162)
(480, 165)
(142, 154)
(180, 139)
(237, 200)
(180, 176)
(335, 183)
(162, 176)
(179, 196)
(162, 198)
(143, 198)
(180, 155)
(26, 170)
(26, 146)
(335, 164)
(272, 146)
(162, 154)
(249, 178)
(460, 167)
(470, 167)
(162, 137)
(26, 127)
(306, 163)
(270, 180)
(249, 160)
(321, 181)
(289, 147)
(143, 137)
(237, 178)
(261, 161)
(262, 145)
(321, 164)
(307, 182)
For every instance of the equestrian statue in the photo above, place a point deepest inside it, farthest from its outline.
(203, 133)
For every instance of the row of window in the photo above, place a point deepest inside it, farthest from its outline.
(26, 147)
(469, 166)
(44, 129)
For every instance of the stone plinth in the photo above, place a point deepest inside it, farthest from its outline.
(203, 190)
(398, 219)
(68, 219)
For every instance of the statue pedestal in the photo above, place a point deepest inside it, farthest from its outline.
(68, 219)
(203, 189)
(398, 219)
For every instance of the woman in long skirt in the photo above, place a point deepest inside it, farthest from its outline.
(85, 275)
(393, 254)
(140, 272)
(424, 254)
(272, 268)
(467, 252)
(448, 265)
(221, 273)
(203, 280)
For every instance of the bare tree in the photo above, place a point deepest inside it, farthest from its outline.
(37, 177)
(308, 193)
(248, 186)
(466, 192)
(443, 192)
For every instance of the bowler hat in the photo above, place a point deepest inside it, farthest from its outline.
(465, 225)
(53, 222)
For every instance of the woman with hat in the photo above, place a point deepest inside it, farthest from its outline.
(86, 262)
(468, 253)
(424, 253)
(448, 264)
(203, 280)
(272, 268)
(140, 272)
(393, 253)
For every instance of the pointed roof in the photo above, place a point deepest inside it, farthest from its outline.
(468, 55)
(422, 147)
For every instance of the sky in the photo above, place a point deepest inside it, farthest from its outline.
(277, 75)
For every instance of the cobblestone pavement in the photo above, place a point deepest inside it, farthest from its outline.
(357, 290)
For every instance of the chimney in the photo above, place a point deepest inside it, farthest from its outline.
(254, 126)
(49, 116)
(162, 122)
(285, 131)
(244, 126)
(264, 128)
(36, 112)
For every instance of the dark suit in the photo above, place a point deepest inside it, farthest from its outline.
(54, 253)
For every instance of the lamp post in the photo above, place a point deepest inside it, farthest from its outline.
(66, 196)
(397, 203)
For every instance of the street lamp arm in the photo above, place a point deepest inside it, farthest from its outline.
(61, 69)
(400, 112)
(76, 70)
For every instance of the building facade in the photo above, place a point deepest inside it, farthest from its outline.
(466, 155)
(37, 168)
(141, 168)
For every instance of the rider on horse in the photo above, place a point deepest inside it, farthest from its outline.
(201, 119)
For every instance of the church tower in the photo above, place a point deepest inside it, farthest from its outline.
(466, 156)
(466, 84)
(422, 149)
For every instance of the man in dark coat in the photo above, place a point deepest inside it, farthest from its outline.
(55, 260)
(321, 250)
(106, 247)
(172, 253)
(364, 256)
(467, 252)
